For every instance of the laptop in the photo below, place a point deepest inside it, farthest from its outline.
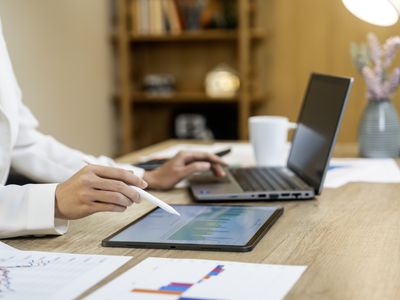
(313, 141)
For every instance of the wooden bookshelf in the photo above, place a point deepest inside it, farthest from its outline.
(188, 55)
(200, 35)
(187, 97)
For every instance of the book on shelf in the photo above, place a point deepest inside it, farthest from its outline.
(175, 16)
(142, 15)
(172, 18)
(156, 17)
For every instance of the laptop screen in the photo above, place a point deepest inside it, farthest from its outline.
(317, 127)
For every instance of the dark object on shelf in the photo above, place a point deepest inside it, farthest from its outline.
(159, 84)
(230, 14)
(192, 126)
(219, 14)
(220, 118)
(191, 12)
(208, 14)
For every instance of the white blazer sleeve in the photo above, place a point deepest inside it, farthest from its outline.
(29, 210)
(44, 159)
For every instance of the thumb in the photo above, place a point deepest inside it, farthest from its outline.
(199, 166)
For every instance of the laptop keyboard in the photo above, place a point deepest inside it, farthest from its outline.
(267, 179)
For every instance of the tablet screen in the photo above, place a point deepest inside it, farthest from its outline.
(198, 224)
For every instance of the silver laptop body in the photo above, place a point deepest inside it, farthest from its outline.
(313, 141)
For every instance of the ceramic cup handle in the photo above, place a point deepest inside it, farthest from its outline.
(292, 125)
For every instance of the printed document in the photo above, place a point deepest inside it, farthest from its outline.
(178, 279)
(47, 275)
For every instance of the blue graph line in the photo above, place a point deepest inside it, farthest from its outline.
(5, 281)
(334, 167)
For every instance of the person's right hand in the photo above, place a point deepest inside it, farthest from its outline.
(95, 189)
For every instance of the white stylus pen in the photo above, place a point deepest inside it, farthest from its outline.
(149, 197)
(145, 195)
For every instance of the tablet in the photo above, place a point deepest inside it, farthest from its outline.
(200, 227)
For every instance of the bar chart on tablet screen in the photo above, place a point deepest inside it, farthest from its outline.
(212, 225)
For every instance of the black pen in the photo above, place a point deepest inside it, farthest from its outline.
(155, 163)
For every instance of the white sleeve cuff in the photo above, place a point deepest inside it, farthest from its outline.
(41, 208)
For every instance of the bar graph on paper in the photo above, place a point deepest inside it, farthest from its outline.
(194, 279)
(178, 288)
(43, 275)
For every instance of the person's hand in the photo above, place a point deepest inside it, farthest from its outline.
(94, 189)
(182, 165)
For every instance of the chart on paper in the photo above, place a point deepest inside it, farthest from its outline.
(43, 275)
(191, 279)
(176, 288)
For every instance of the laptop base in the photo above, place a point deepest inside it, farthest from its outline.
(210, 188)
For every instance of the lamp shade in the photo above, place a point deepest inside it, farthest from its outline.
(377, 12)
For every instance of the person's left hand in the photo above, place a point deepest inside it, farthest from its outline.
(182, 165)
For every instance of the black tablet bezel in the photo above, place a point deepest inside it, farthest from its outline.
(203, 247)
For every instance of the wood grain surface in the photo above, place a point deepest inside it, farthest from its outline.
(348, 237)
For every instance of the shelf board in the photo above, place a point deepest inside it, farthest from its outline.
(181, 97)
(192, 36)
(184, 97)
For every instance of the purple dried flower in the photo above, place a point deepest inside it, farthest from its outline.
(375, 52)
(373, 62)
(393, 83)
(390, 50)
(373, 83)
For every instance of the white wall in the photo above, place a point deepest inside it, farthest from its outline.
(61, 55)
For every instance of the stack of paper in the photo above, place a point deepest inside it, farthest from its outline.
(345, 170)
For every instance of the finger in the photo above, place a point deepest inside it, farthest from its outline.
(112, 198)
(101, 207)
(194, 167)
(116, 186)
(218, 170)
(202, 156)
(119, 174)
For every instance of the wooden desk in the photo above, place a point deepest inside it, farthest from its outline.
(348, 237)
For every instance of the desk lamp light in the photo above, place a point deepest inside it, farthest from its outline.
(377, 12)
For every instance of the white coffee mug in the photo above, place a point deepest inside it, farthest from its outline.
(268, 136)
